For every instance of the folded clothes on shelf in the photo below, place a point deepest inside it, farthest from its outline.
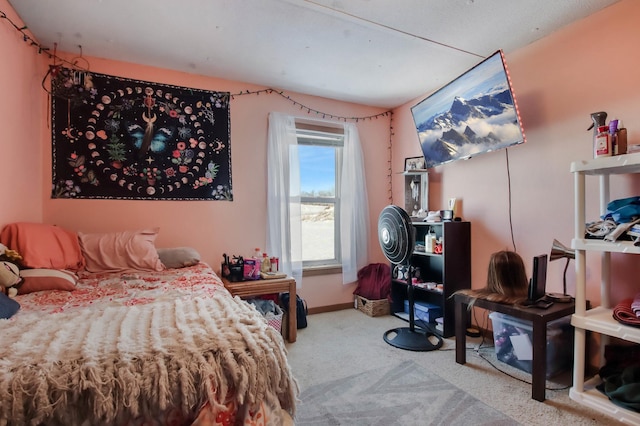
(623, 313)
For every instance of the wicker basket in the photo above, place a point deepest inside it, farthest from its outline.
(373, 308)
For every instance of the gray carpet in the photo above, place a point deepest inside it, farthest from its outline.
(348, 375)
(403, 394)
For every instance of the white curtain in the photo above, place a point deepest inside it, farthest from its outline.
(354, 207)
(284, 228)
(283, 200)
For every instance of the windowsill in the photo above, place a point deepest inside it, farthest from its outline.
(311, 271)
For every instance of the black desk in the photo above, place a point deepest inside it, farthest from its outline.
(539, 319)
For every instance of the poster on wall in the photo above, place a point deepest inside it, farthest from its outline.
(117, 138)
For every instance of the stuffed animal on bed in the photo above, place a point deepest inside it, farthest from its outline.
(10, 255)
(9, 278)
(9, 271)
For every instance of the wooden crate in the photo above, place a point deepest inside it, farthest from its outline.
(373, 308)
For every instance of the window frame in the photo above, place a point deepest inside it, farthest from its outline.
(326, 136)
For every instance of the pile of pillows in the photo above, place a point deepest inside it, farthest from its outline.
(51, 255)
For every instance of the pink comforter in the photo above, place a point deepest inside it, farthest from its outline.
(95, 290)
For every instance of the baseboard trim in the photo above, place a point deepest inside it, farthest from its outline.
(330, 308)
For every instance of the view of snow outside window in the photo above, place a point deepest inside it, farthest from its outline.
(317, 180)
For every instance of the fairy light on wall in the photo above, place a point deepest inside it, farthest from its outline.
(27, 38)
(390, 160)
(309, 110)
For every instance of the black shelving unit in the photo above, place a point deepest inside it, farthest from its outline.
(451, 268)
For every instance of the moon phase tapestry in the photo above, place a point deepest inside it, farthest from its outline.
(116, 138)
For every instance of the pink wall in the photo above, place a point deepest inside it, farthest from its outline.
(212, 227)
(22, 114)
(217, 227)
(559, 81)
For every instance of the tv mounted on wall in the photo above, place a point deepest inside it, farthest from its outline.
(474, 114)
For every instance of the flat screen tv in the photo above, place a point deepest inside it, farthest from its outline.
(474, 114)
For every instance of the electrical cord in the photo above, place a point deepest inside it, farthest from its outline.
(486, 347)
(488, 361)
(513, 241)
(481, 346)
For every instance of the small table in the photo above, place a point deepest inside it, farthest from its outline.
(275, 285)
(539, 319)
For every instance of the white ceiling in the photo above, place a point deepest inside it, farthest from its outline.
(373, 52)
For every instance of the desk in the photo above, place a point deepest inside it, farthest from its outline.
(539, 319)
(260, 287)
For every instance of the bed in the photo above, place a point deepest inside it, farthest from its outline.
(164, 346)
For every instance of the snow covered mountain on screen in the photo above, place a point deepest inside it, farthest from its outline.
(470, 127)
(473, 114)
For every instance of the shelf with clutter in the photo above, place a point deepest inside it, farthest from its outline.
(439, 269)
(601, 239)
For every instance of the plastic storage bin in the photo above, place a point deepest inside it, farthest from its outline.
(513, 343)
(427, 312)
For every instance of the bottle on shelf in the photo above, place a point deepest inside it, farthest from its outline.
(430, 242)
(266, 263)
(602, 143)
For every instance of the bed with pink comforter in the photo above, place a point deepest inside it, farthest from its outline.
(168, 347)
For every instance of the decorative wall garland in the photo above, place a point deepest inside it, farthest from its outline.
(27, 38)
(311, 110)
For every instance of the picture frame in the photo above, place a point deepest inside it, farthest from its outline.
(416, 194)
(412, 164)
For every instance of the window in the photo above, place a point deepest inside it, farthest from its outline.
(320, 154)
(350, 204)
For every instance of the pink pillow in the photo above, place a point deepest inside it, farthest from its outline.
(43, 246)
(46, 279)
(121, 251)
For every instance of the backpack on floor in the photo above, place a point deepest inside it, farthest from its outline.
(301, 309)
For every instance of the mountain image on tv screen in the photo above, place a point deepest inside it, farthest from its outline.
(474, 114)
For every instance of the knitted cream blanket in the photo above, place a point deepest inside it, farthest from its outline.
(102, 365)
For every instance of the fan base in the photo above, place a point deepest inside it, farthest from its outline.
(412, 340)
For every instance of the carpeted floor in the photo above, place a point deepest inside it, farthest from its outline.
(401, 394)
(348, 375)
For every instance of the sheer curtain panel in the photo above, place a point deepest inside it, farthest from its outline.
(283, 200)
(354, 212)
(284, 228)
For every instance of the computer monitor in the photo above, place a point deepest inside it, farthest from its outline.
(537, 285)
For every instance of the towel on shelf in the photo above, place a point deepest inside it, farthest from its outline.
(635, 305)
(623, 313)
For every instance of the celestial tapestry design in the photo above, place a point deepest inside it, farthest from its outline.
(117, 138)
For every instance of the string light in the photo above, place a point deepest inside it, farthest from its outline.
(390, 161)
(340, 118)
(26, 37)
(310, 110)
(42, 49)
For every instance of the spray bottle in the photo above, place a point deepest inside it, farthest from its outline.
(601, 139)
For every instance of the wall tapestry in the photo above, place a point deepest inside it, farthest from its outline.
(117, 138)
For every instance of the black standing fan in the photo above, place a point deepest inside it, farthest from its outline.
(397, 240)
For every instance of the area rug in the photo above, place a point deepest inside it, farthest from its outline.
(402, 394)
